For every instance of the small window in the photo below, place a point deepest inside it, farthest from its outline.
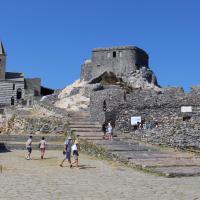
(0, 60)
(98, 65)
(114, 54)
(19, 93)
(12, 101)
(120, 54)
(13, 86)
(108, 54)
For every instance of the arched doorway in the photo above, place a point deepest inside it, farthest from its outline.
(12, 101)
(19, 93)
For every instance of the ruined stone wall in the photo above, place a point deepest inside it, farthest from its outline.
(104, 102)
(162, 106)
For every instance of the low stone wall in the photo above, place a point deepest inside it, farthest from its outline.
(181, 135)
(36, 125)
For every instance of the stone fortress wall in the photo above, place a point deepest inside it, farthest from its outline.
(175, 128)
(162, 106)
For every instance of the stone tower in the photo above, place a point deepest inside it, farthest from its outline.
(121, 60)
(2, 62)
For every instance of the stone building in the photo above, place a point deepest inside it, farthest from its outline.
(127, 62)
(12, 85)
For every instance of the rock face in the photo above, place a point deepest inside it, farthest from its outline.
(39, 119)
(72, 98)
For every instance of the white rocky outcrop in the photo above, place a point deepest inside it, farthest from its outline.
(72, 97)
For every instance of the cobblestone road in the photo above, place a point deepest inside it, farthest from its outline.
(44, 179)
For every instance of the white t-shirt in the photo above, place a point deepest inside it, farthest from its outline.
(42, 144)
(28, 143)
(109, 128)
(74, 147)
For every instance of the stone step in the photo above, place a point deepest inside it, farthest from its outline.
(179, 171)
(79, 120)
(89, 134)
(84, 126)
(22, 146)
(83, 123)
(87, 129)
(164, 162)
(35, 137)
(77, 114)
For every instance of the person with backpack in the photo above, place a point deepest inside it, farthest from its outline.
(67, 151)
(29, 147)
(42, 146)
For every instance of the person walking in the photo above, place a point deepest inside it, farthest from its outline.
(104, 130)
(42, 146)
(110, 131)
(75, 153)
(29, 147)
(67, 151)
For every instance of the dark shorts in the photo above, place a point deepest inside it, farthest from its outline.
(29, 149)
(68, 156)
(75, 155)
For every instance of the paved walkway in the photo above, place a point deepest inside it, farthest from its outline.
(44, 179)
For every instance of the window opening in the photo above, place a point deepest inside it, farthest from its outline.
(114, 54)
(12, 101)
(19, 93)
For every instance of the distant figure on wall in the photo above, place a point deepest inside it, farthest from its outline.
(110, 131)
(104, 128)
(29, 147)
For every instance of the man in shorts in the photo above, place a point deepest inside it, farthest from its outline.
(67, 149)
(29, 147)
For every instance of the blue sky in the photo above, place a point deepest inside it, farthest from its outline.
(51, 38)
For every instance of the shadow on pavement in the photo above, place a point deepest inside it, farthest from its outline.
(3, 148)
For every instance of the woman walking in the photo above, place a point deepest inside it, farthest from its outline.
(42, 146)
(110, 131)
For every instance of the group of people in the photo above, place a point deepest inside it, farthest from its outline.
(107, 130)
(70, 148)
(145, 125)
(42, 146)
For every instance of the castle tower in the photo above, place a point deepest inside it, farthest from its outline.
(121, 60)
(2, 62)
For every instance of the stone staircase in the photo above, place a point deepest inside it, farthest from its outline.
(80, 123)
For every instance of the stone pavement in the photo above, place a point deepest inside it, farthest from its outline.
(97, 179)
